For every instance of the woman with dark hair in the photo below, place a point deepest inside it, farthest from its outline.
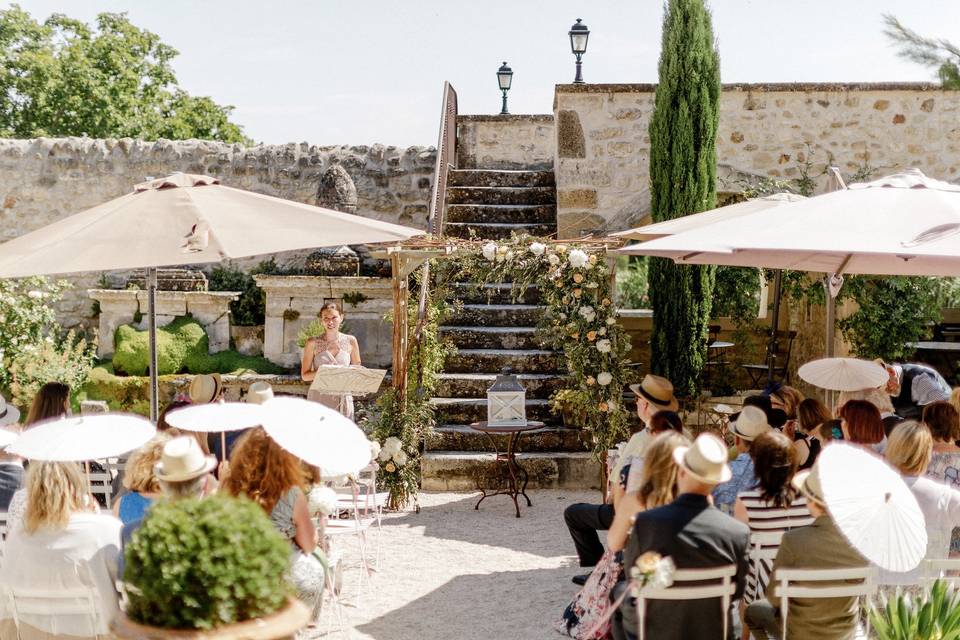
(52, 401)
(861, 424)
(943, 420)
(811, 413)
(330, 349)
(774, 506)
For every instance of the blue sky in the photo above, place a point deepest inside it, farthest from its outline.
(366, 71)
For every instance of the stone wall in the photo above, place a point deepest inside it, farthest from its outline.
(44, 180)
(505, 142)
(780, 131)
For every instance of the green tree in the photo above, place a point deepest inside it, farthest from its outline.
(63, 77)
(941, 54)
(683, 180)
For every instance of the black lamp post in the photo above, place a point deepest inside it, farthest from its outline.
(504, 79)
(579, 34)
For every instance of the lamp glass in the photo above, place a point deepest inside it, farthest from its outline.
(578, 41)
(505, 79)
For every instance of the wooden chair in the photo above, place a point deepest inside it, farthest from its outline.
(723, 586)
(781, 360)
(834, 583)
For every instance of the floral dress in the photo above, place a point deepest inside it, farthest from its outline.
(322, 356)
(306, 571)
(945, 468)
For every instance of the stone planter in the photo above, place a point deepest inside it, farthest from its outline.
(248, 340)
(278, 626)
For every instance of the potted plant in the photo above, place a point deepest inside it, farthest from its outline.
(211, 568)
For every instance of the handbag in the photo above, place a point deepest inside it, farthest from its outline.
(587, 617)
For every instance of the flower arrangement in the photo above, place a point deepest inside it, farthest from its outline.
(651, 570)
(322, 500)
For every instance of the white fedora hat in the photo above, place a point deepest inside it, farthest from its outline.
(807, 482)
(182, 459)
(259, 392)
(9, 414)
(205, 387)
(705, 460)
(751, 422)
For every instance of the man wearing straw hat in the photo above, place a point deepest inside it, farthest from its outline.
(696, 535)
(820, 545)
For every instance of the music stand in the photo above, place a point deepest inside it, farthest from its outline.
(335, 380)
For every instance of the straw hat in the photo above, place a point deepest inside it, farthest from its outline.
(751, 422)
(182, 460)
(705, 460)
(807, 482)
(9, 414)
(205, 388)
(259, 392)
(656, 390)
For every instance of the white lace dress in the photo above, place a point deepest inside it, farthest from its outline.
(322, 356)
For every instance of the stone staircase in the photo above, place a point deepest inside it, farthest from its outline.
(492, 332)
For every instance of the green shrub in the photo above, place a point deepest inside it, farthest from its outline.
(934, 615)
(68, 360)
(247, 310)
(203, 564)
(27, 317)
(631, 292)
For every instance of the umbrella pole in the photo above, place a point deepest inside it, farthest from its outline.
(223, 446)
(152, 330)
(774, 326)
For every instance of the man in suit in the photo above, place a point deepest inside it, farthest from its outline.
(817, 546)
(696, 535)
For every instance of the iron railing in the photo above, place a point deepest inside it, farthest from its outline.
(446, 160)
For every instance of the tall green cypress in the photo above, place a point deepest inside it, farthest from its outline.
(683, 180)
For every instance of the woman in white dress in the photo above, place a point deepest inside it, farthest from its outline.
(330, 349)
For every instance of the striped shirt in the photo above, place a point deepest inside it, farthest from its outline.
(768, 520)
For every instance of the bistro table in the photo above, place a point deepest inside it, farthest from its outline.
(508, 474)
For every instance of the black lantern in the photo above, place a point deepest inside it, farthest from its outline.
(504, 79)
(579, 34)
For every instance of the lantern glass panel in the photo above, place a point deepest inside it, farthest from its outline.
(578, 42)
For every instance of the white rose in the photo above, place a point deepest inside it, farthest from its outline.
(611, 405)
(603, 346)
(35, 295)
(322, 500)
(400, 458)
(553, 259)
(604, 378)
(578, 258)
(537, 248)
(384, 455)
(490, 251)
(392, 445)
(588, 314)
(502, 250)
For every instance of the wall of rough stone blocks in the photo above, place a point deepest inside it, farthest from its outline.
(780, 131)
(505, 142)
(44, 180)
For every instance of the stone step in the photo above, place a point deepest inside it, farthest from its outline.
(461, 471)
(498, 178)
(496, 360)
(497, 230)
(467, 410)
(501, 195)
(475, 385)
(502, 213)
(501, 293)
(492, 337)
(460, 437)
(496, 315)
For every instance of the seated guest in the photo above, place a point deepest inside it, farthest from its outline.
(273, 478)
(11, 466)
(696, 535)
(861, 424)
(61, 545)
(811, 413)
(631, 473)
(944, 423)
(774, 506)
(818, 546)
(913, 386)
(140, 480)
(750, 423)
(910, 450)
(584, 520)
(785, 401)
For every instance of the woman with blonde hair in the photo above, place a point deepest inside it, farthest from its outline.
(60, 545)
(276, 480)
(140, 480)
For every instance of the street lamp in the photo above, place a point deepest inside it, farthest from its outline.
(504, 79)
(579, 34)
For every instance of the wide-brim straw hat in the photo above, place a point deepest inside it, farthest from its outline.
(705, 460)
(182, 460)
(807, 482)
(656, 390)
(205, 388)
(9, 414)
(259, 392)
(751, 422)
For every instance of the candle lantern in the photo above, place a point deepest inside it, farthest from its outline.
(506, 402)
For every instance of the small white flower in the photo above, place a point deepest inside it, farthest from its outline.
(591, 285)
(604, 378)
(508, 255)
(577, 258)
(563, 316)
(603, 346)
(383, 456)
(400, 458)
(612, 405)
(588, 313)
(602, 331)
(537, 248)
(322, 500)
(611, 321)
(35, 295)
(553, 259)
(490, 251)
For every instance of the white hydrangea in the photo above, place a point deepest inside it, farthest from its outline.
(577, 258)
(588, 313)
(322, 500)
(400, 457)
(604, 378)
(604, 346)
(490, 251)
(392, 445)
(537, 248)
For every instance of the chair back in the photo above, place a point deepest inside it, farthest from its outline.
(76, 601)
(933, 570)
(101, 484)
(763, 546)
(833, 583)
(719, 583)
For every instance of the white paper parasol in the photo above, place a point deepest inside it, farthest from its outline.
(317, 435)
(91, 437)
(843, 374)
(873, 507)
(216, 417)
(7, 437)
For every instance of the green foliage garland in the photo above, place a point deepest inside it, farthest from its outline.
(683, 176)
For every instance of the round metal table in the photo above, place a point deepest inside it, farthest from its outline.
(508, 470)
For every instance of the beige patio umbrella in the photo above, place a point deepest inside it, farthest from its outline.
(184, 219)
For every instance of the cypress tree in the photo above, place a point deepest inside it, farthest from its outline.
(683, 176)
